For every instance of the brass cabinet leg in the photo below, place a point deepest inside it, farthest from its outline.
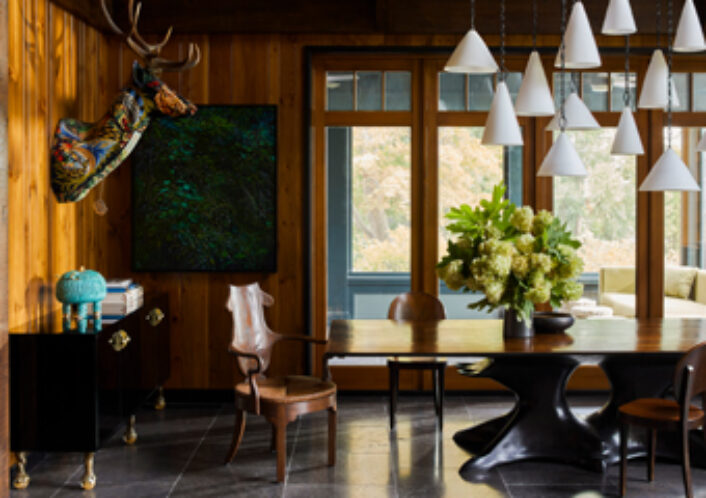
(21, 480)
(160, 403)
(88, 481)
(130, 435)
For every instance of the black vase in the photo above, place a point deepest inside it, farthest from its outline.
(515, 327)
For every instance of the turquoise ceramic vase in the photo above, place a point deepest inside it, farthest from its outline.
(75, 290)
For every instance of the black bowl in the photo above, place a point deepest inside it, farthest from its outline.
(551, 323)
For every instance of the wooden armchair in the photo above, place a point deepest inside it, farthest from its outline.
(280, 399)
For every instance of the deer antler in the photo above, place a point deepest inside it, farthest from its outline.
(150, 52)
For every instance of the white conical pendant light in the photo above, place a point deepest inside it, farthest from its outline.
(654, 89)
(690, 36)
(562, 159)
(619, 19)
(669, 173)
(501, 126)
(534, 97)
(627, 138)
(581, 51)
(578, 117)
(471, 56)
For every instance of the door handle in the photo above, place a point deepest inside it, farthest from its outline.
(155, 317)
(119, 340)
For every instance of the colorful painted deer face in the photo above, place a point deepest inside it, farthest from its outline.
(83, 154)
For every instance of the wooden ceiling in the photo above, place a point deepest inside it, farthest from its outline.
(355, 16)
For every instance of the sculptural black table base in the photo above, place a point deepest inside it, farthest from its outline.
(541, 425)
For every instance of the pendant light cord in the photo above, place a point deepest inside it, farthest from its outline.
(534, 24)
(502, 41)
(658, 16)
(562, 55)
(670, 26)
(626, 93)
(473, 14)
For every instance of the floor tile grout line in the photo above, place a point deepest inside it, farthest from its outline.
(193, 453)
(68, 479)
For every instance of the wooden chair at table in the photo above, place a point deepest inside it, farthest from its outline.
(664, 414)
(417, 306)
(279, 399)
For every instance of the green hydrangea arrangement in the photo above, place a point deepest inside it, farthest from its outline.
(515, 257)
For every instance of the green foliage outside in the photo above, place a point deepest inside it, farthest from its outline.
(516, 258)
(204, 192)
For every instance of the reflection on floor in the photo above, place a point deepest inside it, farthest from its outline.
(180, 453)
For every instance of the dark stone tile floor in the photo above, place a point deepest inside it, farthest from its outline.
(180, 452)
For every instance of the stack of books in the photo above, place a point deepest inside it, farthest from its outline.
(124, 296)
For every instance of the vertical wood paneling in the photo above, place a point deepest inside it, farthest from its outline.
(53, 74)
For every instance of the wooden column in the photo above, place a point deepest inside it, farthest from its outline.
(650, 223)
(4, 346)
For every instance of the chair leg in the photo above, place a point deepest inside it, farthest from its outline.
(281, 436)
(686, 465)
(273, 439)
(442, 374)
(623, 456)
(651, 455)
(331, 436)
(394, 385)
(238, 431)
(435, 387)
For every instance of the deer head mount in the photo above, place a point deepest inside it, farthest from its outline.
(83, 154)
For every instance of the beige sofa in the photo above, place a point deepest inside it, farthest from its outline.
(685, 291)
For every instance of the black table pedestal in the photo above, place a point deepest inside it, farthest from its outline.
(541, 426)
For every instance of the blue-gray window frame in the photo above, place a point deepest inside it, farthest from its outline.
(343, 282)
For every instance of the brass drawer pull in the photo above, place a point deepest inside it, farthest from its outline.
(119, 340)
(155, 317)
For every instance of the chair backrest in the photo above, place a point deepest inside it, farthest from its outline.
(690, 374)
(250, 331)
(416, 306)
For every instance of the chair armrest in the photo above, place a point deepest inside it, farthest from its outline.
(302, 338)
(235, 351)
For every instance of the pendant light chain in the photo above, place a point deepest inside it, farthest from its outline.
(562, 89)
(626, 93)
(670, 23)
(534, 24)
(502, 40)
(473, 14)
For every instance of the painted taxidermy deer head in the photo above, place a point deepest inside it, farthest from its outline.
(83, 154)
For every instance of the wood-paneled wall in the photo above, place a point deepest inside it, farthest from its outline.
(56, 65)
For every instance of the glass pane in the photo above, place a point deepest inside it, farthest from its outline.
(513, 80)
(398, 90)
(452, 94)
(339, 91)
(683, 232)
(380, 211)
(617, 91)
(369, 90)
(571, 83)
(700, 91)
(467, 173)
(599, 209)
(595, 91)
(480, 92)
(681, 87)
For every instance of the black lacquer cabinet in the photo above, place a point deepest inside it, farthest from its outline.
(71, 391)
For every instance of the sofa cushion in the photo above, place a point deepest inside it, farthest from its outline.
(624, 305)
(617, 279)
(678, 281)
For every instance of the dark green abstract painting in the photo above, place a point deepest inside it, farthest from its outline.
(204, 192)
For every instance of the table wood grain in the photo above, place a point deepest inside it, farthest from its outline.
(484, 337)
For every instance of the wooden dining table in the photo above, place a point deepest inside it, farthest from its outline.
(637, 355)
